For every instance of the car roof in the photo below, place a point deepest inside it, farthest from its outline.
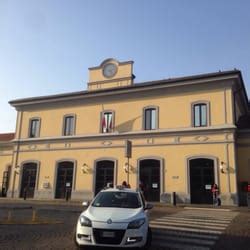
(119, 189)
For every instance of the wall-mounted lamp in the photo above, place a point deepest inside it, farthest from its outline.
(223, 167)
(126, 167)
(17, 169)
(85, 168)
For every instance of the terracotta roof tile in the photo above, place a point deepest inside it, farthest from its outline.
(7, 136)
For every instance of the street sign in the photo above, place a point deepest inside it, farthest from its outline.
(128, 149)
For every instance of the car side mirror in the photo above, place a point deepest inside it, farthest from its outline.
(148, 206)
(85, 204)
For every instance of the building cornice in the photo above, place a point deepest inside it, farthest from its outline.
(139, 87)
(6, 144)
(133, 134)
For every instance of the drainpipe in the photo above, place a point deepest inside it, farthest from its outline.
(228, 170)
(15, 165)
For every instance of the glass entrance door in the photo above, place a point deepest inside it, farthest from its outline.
(104, 174)
(64, 180)
(28, 182)
(150, 179)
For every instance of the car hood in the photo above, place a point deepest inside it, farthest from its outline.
(114, 213)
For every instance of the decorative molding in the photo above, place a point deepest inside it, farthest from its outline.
(177, 139)
(228, 136)
(201, 138)
(150, 141)
(107, 143)
(159, 132)
(32, 146)
(175, 177)
(145, 144)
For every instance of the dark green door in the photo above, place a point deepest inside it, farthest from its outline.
(201, 180)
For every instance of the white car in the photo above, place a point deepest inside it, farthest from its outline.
(117, 217)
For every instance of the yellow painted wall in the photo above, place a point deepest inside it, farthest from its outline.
(88, 116)
(174, 157)
(5, 161)
(243, 161)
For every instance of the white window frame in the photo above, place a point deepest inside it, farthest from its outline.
(207, 104)
(156, 108)
(73, 127)
(109, 127)
(37, 131)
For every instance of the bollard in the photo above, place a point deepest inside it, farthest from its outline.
(66, 195)
(33, 215)
(174, 199)
(25, 194)
(9, 215)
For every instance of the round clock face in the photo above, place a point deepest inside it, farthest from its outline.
(109, 70)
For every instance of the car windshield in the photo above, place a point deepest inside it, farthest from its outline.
(117, 199)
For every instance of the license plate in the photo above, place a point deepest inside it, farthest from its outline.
(108, 234)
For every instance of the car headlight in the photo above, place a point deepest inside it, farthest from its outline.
(86, 222)
(136, 223)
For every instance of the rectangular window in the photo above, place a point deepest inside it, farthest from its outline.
(69, 125)
(200, 115)
(107, 122)
(34, 128)
(150, 119)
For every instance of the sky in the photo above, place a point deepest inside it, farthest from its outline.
(47, 46)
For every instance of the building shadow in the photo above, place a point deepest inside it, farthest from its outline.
(126, 126)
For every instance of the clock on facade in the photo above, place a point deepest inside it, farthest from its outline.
(109, 70)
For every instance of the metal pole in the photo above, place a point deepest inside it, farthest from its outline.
(128, 172)
(228, 169)
(13, 184)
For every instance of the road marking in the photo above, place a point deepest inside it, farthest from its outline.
(190, 224)
(178, 218)
(209, 209)
(190, 229)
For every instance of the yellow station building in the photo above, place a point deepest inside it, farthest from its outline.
(184, 134)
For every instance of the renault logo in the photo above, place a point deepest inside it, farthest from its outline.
(109, 221)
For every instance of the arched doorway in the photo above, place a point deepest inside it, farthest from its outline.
(28, 182)
(201, 171)
(104, 174)
(64, 179)
(150, 178)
